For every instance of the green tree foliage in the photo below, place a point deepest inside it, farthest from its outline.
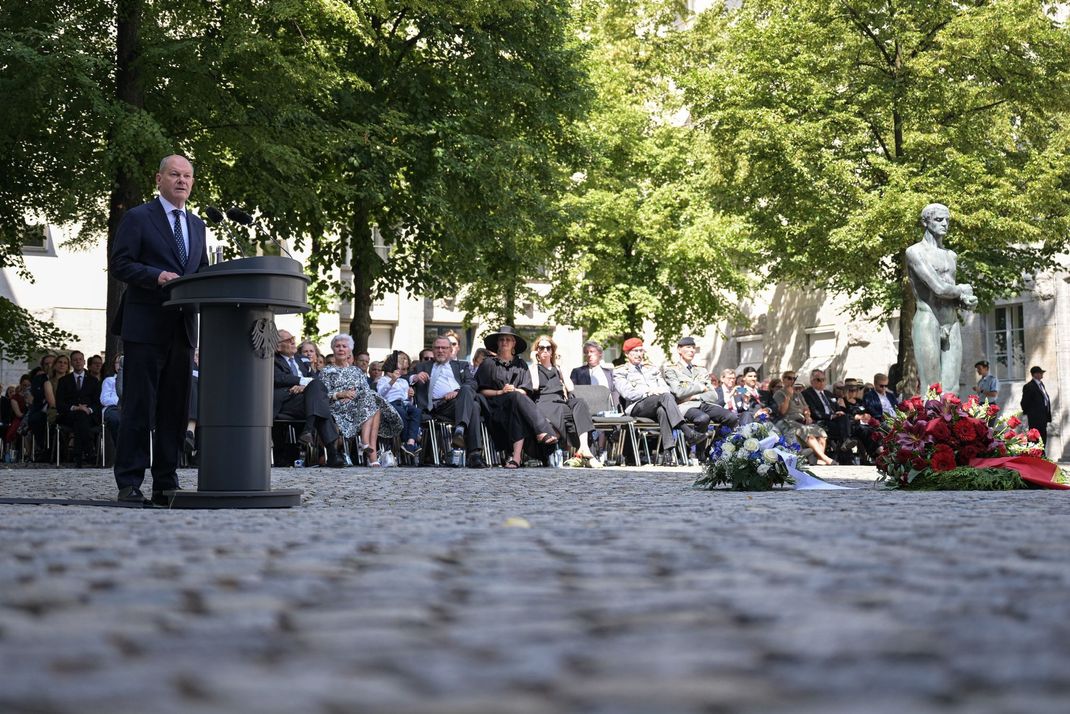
(646, 237)
(448, 121)
(834, 123)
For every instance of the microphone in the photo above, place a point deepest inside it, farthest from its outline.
(239, 216)
(213, 214)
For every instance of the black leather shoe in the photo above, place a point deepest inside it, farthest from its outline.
(693, 437)
(131, 494)
(475, 461)
(158, 499)
(306, 437)
(458, 436)
(335, 462)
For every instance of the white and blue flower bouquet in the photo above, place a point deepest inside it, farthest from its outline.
(752, 457)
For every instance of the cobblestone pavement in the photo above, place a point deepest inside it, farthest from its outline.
(412, 590)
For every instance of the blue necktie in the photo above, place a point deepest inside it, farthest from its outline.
(178, 237)
(293, 367)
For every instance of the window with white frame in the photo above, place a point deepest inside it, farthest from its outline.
(1006, 342)
(37, 239)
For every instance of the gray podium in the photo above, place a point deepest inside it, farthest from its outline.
(238, 301)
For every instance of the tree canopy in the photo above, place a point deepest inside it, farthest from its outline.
(835, 123)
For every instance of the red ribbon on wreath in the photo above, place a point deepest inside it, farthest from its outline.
(1034, 470)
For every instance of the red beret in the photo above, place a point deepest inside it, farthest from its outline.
(631, 343)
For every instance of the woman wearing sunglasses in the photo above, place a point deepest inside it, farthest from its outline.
(569, 415)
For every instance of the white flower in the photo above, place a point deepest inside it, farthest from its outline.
(763, 469)
(749, 429)
(770, 455)
(728, 449)
(751, 445)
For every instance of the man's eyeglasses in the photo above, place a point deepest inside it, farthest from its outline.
(819, 379)
(789, 378)
(881, 386)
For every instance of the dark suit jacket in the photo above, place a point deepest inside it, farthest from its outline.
(582, 375)
(818, 412)
(68, 394)
(144, 247)
(422, 391)
(1033, 405)
(872, 401)
(283, 379)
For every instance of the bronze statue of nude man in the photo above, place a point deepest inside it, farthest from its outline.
(937, 338)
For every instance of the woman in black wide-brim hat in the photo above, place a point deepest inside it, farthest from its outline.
(504, 380)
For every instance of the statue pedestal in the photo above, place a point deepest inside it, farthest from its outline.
(238, 301)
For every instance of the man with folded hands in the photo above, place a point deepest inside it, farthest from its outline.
(696, 397)
(298, 396)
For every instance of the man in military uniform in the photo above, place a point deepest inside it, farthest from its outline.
(693, 389)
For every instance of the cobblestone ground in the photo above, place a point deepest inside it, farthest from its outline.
(411, 590)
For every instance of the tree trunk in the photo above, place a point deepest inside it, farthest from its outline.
(509, 313)
(126, 192)
(365, 264)
(908, 372)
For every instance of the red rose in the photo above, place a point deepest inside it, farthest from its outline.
(972, 401)
(967, 453)
(936, 388)
(1002, 449)
(1039, 453)
(903, 456)
(937, 429)
(965, 430)
(952, 399)
(943, 460)
(981, 428)
(1014, 422)
(918, 462)
(1032, 435)
(993, 409)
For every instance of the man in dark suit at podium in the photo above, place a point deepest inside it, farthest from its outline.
(156, 243)
(300, 396)
(78, 406)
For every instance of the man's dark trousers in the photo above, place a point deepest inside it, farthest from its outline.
(464, 410)
(163, 370)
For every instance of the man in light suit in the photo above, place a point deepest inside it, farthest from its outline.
(1036, 404)
(298, 395)
(694, 391)
(446, 388)
(155, 243)
(594, 372)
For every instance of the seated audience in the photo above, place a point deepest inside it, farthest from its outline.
(645, 394)
(110, 409)
(354, 404)
(824, 408)
(445, 388)
(792, 417)
(504, 380)
(455, 343)
(394, 388)
(78, 406)
(570, 416)
(43, 412)
(298, 395)
(311, 352)
(880, 401)
(478, 357)
(375, 371)
(858, 416)
(594, 372)
(694, 391)
(747, 402)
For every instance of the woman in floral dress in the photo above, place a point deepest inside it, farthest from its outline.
(354, 404)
